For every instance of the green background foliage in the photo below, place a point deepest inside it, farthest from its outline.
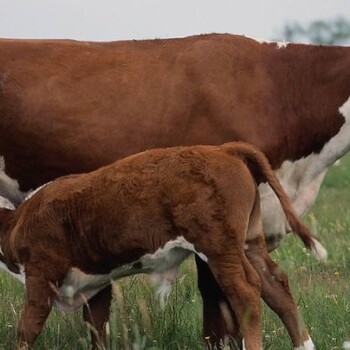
(333, 32)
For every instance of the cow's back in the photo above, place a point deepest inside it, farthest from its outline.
(80, 105)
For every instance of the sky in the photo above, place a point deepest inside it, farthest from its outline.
(105, 20)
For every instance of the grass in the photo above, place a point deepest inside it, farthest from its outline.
(138, 322)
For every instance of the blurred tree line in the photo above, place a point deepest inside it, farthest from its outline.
(333, 32)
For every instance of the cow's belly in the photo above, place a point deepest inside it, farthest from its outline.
(78, 287)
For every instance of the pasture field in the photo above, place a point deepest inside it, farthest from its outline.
(322, 292)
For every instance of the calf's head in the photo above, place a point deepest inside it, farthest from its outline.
(6, 212)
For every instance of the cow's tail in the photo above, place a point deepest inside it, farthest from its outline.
(261, 169)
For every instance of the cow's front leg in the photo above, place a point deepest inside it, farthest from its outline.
(96, 313)
(220, 325)
(40, 294)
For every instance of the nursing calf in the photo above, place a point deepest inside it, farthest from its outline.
(146, 214)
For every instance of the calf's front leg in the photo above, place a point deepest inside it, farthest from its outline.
(40, 295)
(241, 285)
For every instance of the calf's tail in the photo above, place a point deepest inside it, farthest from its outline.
(262, 171)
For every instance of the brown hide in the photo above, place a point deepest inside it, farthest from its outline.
(115, 215)
(69, 107)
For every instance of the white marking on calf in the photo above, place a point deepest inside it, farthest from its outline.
(302, 179)
(78, 287)
(30, 194)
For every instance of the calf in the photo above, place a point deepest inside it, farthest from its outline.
(146, 214)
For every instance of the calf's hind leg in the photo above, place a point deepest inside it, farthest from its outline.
(241, 285)
(220, 325)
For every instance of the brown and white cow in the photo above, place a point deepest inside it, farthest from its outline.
(69, 107)
(147, 213)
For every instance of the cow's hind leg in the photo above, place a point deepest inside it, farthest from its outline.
(96, 313)
(276, 293)
(220, 325)
(241, 285)
(274, 282)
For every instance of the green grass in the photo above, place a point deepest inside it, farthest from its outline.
(322, 292)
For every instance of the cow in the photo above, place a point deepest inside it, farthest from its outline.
(147, 213)
(72, 106)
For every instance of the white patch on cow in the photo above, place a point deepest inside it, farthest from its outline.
(302, 179)
(78, 287)
(346, 345)
(282, 44)
(6, 204)
(345, 109)
(243, 345)
(279, 44)
(302, 194)
(334, 149)
(165, 281)
(319, 250)
(21, 276)
(9, 187)
(308, 345)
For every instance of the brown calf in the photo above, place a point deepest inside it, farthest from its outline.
(147, 213)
